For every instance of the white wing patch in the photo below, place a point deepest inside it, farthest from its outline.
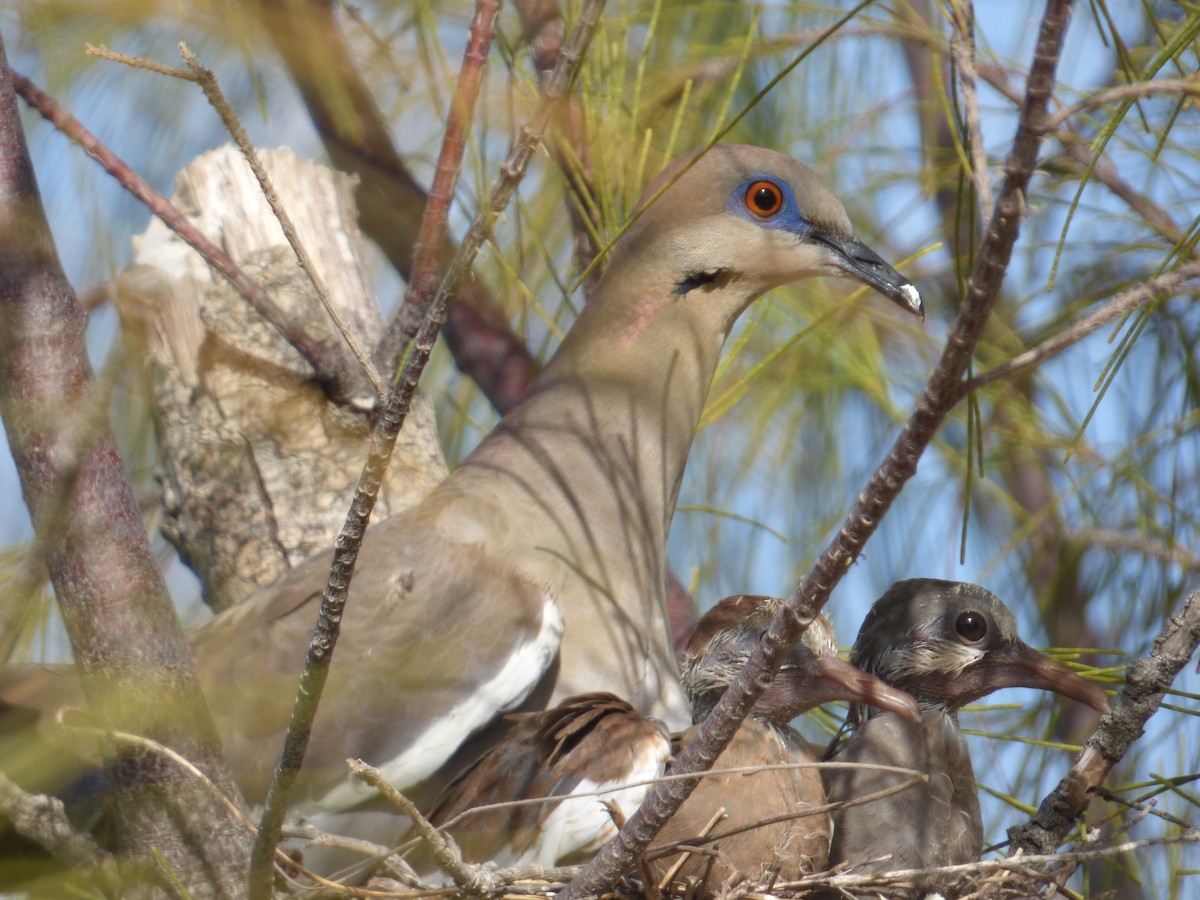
(443, 736)
(582, 825)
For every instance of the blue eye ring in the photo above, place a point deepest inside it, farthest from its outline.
(763, 198)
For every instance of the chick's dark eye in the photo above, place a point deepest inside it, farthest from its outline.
(764, 198)
(971, 626)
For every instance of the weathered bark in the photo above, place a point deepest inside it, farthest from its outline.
(258, 466)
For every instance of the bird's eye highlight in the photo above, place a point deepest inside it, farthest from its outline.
(764, 198)
(971, 626)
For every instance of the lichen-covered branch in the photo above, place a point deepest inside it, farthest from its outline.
(1146, 680)
(132, 657)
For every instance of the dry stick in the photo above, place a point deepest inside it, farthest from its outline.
(1174, 87)
(1146, 680)
(472, 879)
(687, 850)
(391, 418)
(390, 202)
(1022, 865)
(327, 628)
(941, 394)
(189, 768)
(318, 354)
(216, 98)
(1121, 305)
(696, 776)
(914, 778)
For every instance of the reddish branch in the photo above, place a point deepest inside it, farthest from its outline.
(422, 287)
(940, 396)
(423, 282)
(132, 658)
(390, 202)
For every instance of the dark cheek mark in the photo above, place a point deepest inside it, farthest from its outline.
(695, 280)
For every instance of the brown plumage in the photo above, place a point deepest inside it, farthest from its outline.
(585, 744)
(811, 675)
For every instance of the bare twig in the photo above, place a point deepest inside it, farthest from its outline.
(940, 396)
(912, 780)
(1174, 87)
(390, 201)
(216, 98)
(472, 879)
(1078, 147)
(1146, 680)
(1023, 867)
(696, 776)
(1122, 304)
(319, 355)
(391, 418)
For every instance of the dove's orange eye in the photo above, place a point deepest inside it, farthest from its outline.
(764, 198)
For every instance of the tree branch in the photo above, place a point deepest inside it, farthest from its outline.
(133, 661)
(1121, 305)
(390, 202)
(1146, 680)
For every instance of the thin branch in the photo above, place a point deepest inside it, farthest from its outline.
(216, 98)
(941, 394)
(391, 419)
(1078, 147)
(1104, 172)
(43, 820)
(1146, 680)
(318, 354)
(1122, 304)
(474, 880)
(1123, 542)
(910, 775)
(1175, 87)
(390, 202)
(1021, 866)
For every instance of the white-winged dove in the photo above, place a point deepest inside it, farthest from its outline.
(787, 845)
(948, 644)
(536, 570)
(598, 742)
